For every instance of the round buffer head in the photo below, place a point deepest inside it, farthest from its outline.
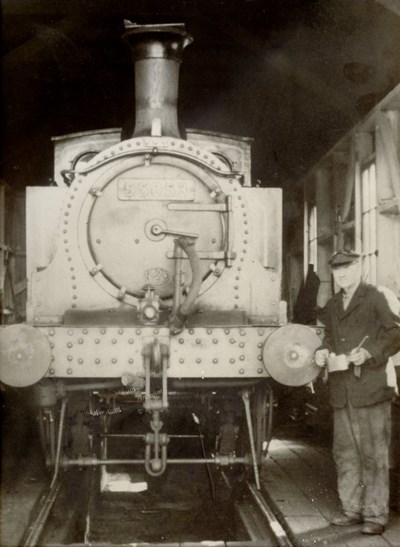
(25, 355)
(288, 355)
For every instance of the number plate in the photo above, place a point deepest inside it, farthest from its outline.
(130, 189)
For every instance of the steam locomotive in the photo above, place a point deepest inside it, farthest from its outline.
(154, 288)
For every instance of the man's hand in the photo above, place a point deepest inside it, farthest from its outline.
(321, 357)
(359, 356)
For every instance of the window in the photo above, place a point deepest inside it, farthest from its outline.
(312, 237)
(368, 209)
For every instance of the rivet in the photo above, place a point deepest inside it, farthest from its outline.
(69, 345)
(241, 358)
(51, 371)
(181, 360)
(237, 278)
(72, 269)
(52, 344)
(259, 357)
(80, 361)
(215, 360)
(231, 360)
(241, 371)
(236, 306)
(70, 332)
(259, 370)
(318, 331)
(259, 345)
(242, 205)
(68, 205)
(98, 240)
(227, 331)
(52, 358)
(246, 222)
(241, 344)
(138, 331)
(181, 341)
(155, 331)
(65, 240)
(69, 370)
(130, 360)
(97, 361)
(244, 251)
(245, 241)
(215, 341)
(74, 305)
(84, 331)
(120, 331)
(213, 240)
(191, 331)
(137, 241)
(209, 331)
(239, 268)
(273, 302)
(236, 287)
(198, 360)
(245, 214)
(102, 331)
(237, 296)
(69, 358)
(113, 361)
(232, 340)
(80, 341)
(260, 332)
(52, 332)
(97, 341)
(113, 341)
(130, 341)
(239, 197)
(198, 341)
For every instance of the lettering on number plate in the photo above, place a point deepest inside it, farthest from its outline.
(155, 189)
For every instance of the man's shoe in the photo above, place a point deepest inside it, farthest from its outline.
(372, 528)
(345, 520)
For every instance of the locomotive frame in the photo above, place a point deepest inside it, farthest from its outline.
(195, 314)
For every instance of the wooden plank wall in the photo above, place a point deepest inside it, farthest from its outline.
(12, 255)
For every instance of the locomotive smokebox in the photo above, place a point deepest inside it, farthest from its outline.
(157, 54)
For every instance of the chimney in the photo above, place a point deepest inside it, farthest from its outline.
(157, 54)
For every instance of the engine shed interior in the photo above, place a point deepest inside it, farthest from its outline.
(166, 220)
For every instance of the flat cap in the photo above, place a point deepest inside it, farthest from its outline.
(342, 257)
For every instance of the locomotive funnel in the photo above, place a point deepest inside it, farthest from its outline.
(157, 54)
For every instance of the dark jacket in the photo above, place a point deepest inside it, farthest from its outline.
(368, 313)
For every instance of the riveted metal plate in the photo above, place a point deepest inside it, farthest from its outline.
(109, 352)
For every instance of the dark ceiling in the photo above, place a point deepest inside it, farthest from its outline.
(294, 74)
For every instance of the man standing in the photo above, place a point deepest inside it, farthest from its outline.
(363, 330)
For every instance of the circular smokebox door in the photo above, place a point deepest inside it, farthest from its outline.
(129, 225)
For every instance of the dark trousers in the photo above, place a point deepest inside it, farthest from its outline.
(361, 443)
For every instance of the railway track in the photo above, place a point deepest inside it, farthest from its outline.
(73, 512)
